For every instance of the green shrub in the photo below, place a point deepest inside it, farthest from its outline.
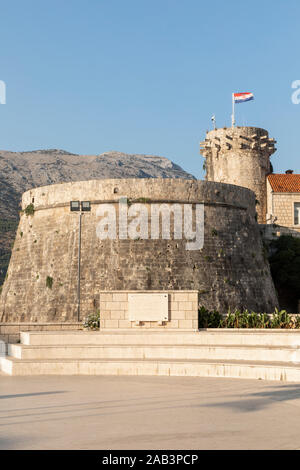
(264, 320)
(281, 319)
(207, 319)
(285, 269)
(297, 321)
(92, 321)
(245, 319)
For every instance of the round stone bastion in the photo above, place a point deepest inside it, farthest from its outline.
(139, 235)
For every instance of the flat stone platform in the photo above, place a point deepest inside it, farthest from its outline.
(106, 412)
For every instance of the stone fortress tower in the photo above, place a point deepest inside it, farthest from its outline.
(240, 156)
(229, 271)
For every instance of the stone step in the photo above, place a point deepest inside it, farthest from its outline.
(145, 337)
(174, 352)
(191, 368)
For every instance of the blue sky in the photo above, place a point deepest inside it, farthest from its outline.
(145, 76)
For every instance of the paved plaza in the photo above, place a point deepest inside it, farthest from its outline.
(106, 412)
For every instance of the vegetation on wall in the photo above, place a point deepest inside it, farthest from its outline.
(29, 209)
(49, 282)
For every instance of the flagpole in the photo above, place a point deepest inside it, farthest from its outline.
(233, 112)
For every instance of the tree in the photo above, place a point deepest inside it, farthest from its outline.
(285, 268)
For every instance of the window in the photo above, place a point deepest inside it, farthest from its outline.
(296, 213)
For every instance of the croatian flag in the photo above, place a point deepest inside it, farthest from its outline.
(242, 97)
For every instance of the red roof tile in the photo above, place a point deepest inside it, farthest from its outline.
(285, 183)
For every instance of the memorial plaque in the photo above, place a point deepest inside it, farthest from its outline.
(148, 307)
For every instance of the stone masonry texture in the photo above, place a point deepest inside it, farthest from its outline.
(229, 272)
(182, 311)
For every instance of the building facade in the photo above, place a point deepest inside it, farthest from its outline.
(283, 200)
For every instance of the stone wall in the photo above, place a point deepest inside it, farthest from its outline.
(10, 332)
(271, 232)
(182, 311)
(241, 156)
(229, 272)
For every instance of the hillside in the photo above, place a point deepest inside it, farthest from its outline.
(20, 171)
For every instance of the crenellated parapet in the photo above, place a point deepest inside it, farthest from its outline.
(237, 138)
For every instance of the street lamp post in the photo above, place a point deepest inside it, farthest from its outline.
(77, 206)
(79, 264)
